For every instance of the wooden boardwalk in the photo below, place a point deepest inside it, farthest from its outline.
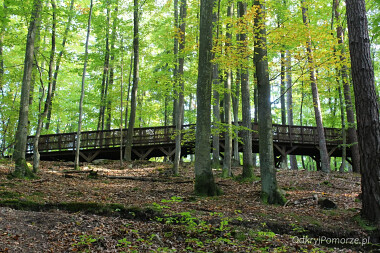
(159, 141)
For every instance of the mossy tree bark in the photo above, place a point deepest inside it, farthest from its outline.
(21, 168)
(204, 179)
(367, 108)
(269, 189)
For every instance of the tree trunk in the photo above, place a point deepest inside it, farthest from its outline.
(21, 168)
(104, 86)
(269, 189)
(235, 107)
(367, 108)
(284, 161)
(121, 101)
(128, 90)
(42, 116)
(79, 132)
(175, 69)
(216, 117)
(255, 115)
(324, 155)
(111, 75)
(58, 63)
(180, 104)
(289, 104)
(235, 90)
(344, 148)
(228, 133)
(246, 104)
(204, 178)
(216, 103)
(2, 33)
(352, 135)
(132, 116)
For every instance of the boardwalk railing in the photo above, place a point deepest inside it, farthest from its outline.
(154, 136)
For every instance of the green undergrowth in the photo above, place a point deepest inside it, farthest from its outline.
(242, 180)
(364, 224)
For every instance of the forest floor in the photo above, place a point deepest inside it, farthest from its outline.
(148, 211)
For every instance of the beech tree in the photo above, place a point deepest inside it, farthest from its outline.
(180, 101)
(132, 115)
(79, 132)
(352, 135)
(367, 108)
(44, 113)
(21, 168)
(246, 102)
(269, 189)
(204, 178)
(324, 156)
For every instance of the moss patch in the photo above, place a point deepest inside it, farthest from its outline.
(113, 209)
(9, 195)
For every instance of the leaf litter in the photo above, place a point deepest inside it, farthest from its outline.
(234, 222)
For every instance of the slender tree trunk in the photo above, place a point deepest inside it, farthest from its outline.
(112, 59)
(235, 107)
(181, 81)
(216, 103)
(235, 90)
(104, 86)
(344, 148)
(352, 135)
(21, 168)
(255, 115)
(204, 178)
(175, 69)
(269, 189)
(132, 116)
(216, 117)
(79, 132)
(289, 103)
(35, 71)
(367, 108)
(2, 33)
(228, 134)
(42, 116)
(121, 101)
(128, 91)
(58, 63)
(284, 161)
(325, 159)
(246, 104)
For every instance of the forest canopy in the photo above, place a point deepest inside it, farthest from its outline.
(112, 35)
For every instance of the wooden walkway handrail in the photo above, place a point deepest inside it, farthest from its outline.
(161, 135)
